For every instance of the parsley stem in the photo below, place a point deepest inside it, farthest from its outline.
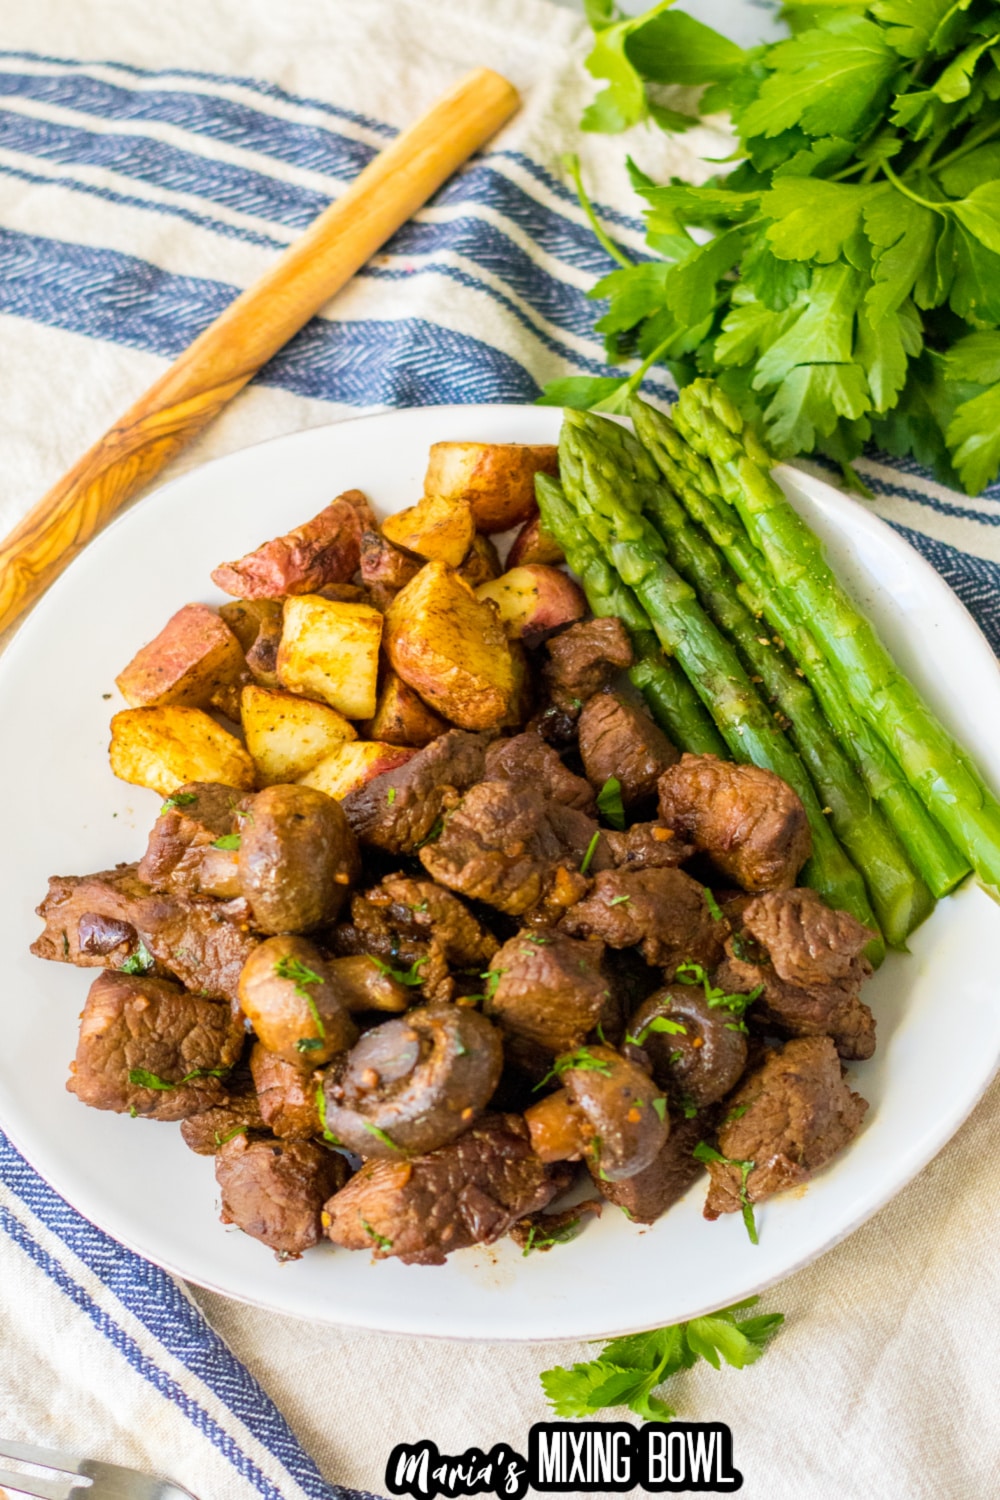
(974, 139)
(897, 182)
(572, 164)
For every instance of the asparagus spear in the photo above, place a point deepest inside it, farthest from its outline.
(672, 700)
(608, 499)
(934, 763)
(693, 480)
(899, 897)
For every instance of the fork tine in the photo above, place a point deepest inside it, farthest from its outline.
(48, 1458)
(43, 1489)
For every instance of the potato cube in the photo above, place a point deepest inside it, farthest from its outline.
(256, 624)
(323, 550)
(437, 527)
(194, 657)
(329, 650)
(497, 479)
(533, 544)
(402, 717)
(167, 746)
(482, 562)
(534, 600)
(451, 649)
(286, 735)
(353, 763)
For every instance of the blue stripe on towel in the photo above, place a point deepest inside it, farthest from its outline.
(975, 580)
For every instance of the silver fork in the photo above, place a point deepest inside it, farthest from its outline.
(101, 1481)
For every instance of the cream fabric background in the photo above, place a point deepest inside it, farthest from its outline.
(884, 1383)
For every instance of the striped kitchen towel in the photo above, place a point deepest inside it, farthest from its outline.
(153, 159)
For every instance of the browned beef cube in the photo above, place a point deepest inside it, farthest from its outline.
(549, 991)
(618, 739)
(583, 659)
(527, 759)
(423, 910)
(467, 1193)
(748, 821)
(180, 856)
(647, 846)
(506, 845)
(809, 961)
(275, 1190)
(791, 1116)
(205, 1133)
(423, 789)
(657, 1187)
(148, 1048)
(287, 1095)
(663, 910)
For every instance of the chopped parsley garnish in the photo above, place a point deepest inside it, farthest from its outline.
(410, 976)
(660, 1105)
(736, 1113)
(227, 841)
(220, 1140)
(144, 1080)
(609, 803)
(712, 904)
(617, 900)
(591, 851)
(379, 1240)
(328, 1135)
(309, 1044)
(580, 1061)
(436, 830)
(390, 795)
(461, 1050)
(380, 1135)
(133, 1112)
(539, 939)
(691, 973)
(706, 1153)
(420, 906)
(658, 1023)
(541, 1239)
(301, 976)
(179, 799)
(628, 1370)
(139, 962)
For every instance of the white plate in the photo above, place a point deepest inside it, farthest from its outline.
(938, 1018)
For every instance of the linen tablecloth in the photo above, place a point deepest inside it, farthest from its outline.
(152, 160)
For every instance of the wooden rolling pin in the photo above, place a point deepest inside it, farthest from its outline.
(251, 330)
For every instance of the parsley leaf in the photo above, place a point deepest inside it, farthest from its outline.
(609, 803)
(658, 1023)
(581, 1061)
(628, 1370)
(146, 1080)
(320, 1101)
(139, 962)
(591, 850)
(379, 1240)
(179, 799)
(302, 976)
(380, 1135)
(227, 841)
(705, 1153)
(410, 976)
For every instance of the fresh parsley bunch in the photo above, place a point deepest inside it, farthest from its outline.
(628, 1370)
(842, 281)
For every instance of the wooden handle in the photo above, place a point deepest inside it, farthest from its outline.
(254, 326)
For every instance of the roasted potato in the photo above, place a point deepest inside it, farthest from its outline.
(385, 569)
(352, 764)
(497, 479)
(437, 527)
(292, 1000)
(482, 562)
(194, 657)
(298, 856)
(329, 650)
(166, 746)
(246, 616)
(534, 600)
(451, 648)
(287, 734)
(402, 717)
(533, 544)
(323, 550)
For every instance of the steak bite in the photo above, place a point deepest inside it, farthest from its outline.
(583, 659)
(810, 963)
(275, 1190)
(506, 845)
(647, 846)
(148, 1048)
(664, 910)
(546, 990)
(288, 1095)
(646, 1195)
(205, 1133)
(398, 810)
(111, 918)
(467, 1193)
(749, 822)
(423, 910)
(698, 1052)
(326, 549)
(789, 1117)
(617, 739)
(527, 760)
(181, 856)
(414, 1083)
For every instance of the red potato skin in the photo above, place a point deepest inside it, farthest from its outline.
(533, 544)
(322, 551)
(536, 601)
(194, 657)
